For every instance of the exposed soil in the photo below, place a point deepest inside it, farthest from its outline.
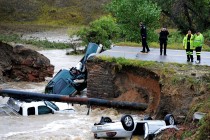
(139, 89)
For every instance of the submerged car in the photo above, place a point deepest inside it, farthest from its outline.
(68, 82)
(26, 108)
(127, 127)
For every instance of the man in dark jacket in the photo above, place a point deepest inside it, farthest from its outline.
(144, 38)
(163, 40)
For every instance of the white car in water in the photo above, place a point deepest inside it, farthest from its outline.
(127, 127)
(26, 108)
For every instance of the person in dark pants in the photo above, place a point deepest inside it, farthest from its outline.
(163, 37)
(198, 43)
(144, 38)
(188, 45)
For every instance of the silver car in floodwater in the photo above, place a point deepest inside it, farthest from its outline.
(127, 127)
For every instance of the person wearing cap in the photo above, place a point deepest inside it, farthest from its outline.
(144, 38)
(188, 45)
(198, 43)
(163, 37)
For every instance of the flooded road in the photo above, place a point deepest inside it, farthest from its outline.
(76, 126)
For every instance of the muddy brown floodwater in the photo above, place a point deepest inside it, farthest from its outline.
(76, 126)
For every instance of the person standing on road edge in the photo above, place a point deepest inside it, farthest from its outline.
(188, 45)
(144, 38)
(198, 43)
(163, 37)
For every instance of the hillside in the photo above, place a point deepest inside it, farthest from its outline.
(51, 12)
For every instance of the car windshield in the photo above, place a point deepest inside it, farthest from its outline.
(52, 105)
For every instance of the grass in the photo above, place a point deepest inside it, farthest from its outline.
(204, 129)
(128, 62)
(187, 134)
(176, 46)
(132, 44)
(203, 125)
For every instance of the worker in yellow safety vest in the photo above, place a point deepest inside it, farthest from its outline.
(198, 43)
(188, 46)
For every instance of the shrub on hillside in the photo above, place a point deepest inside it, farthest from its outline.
(207, 37)
(175, 37)
(102, 31)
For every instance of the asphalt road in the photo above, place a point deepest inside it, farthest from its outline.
(177, 56)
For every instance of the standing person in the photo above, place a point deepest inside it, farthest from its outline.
(163, 37)
(188, 45)
(198, 43)
(144, 37)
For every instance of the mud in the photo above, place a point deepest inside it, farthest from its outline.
(139, 89)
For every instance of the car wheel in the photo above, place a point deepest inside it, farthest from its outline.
(169, 119)
(127, 122)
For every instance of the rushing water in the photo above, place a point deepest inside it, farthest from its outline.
(76, 126)
(59, 35)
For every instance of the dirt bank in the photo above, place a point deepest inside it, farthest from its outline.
(22, 64)
(176, 89)
(138, 85)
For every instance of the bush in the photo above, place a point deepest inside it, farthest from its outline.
(207, 37)
(175, 37)
(102, 31)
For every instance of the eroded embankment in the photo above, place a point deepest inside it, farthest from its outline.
(138, 85)
(107, 80)
(168, 89)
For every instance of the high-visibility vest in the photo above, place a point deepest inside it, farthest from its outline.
(185, 41)
(198, 40)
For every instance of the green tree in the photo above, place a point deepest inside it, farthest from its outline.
(130, 12)
(102, 31)
(187, 14)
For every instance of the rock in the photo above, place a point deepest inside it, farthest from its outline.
(22, 64)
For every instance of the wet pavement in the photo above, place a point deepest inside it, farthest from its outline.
(177, 56)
